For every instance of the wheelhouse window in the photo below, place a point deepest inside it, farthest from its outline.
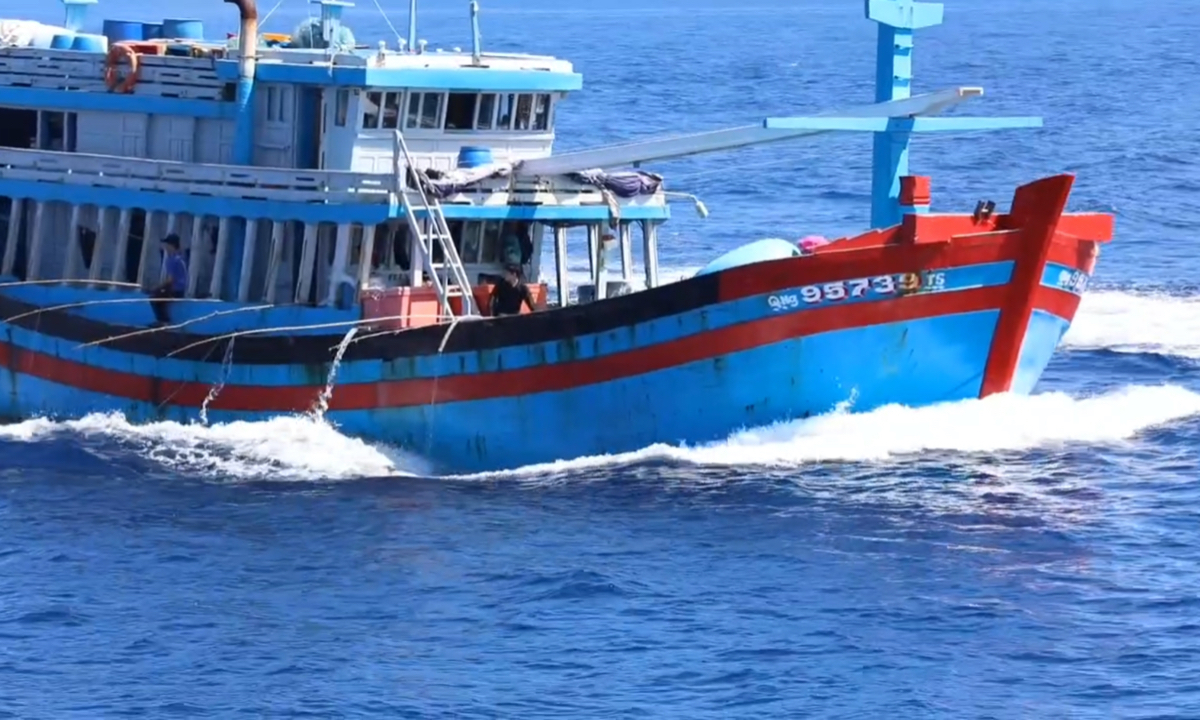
(381, 110)
(460, 111)
(424, 111)
(519, 112)
(486, 117)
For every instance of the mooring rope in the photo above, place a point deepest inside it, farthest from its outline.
(90, 303)
(176, 326)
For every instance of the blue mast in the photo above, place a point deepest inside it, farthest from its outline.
(897, 20)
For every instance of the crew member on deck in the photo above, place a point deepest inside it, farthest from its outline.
(175, 286)
(509, 293)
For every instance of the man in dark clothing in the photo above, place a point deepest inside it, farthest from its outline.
(175, 286)
(510, 293)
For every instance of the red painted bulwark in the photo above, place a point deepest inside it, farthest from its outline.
(508, 383)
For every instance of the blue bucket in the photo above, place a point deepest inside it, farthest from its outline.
(90, 43)
(62, 41)
(182, 29)
(473, 157)
(152, 31)
(122, 31)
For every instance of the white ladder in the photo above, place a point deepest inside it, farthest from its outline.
(456, 278)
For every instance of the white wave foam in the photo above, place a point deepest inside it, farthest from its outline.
(1129, 322)
(283, 448)
(995, 424)
(301, 448)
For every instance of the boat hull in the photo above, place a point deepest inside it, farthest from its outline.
(940, 309)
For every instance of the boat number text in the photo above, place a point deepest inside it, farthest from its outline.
(862, 287)
(1075, 281)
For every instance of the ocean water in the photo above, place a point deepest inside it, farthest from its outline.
(1029, 557)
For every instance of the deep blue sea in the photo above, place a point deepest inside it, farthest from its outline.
(1031, 557)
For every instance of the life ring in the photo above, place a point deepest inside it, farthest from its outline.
(112, 75)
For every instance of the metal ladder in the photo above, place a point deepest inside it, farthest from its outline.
(456, 276)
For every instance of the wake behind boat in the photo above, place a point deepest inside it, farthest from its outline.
(338, 220)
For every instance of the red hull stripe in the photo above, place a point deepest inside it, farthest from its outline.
(509, 383)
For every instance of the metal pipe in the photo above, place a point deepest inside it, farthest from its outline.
(247, 54)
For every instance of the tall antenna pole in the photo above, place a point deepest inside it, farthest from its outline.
(412, 25)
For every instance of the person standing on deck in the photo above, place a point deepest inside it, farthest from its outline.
(175, 286)
(510, 293)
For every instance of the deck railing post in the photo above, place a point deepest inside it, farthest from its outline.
(195, 253)
(124, 225)
(33, 260)
(650, 252)
(308, 256)
(560, 265)
(16, 217)
(249, 246)
(626, 240)
(74, 253)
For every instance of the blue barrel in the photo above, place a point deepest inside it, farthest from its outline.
(173, 29)
(152, 31)
(90, 43)
(473, 157)
(62, 41)
(122, 31)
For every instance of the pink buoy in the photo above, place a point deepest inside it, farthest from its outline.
(812, 242)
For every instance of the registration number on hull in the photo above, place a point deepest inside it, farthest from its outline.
(880, 285)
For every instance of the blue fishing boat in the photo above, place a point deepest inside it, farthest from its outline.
(338, 219)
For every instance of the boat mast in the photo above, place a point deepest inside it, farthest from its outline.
(412, 25)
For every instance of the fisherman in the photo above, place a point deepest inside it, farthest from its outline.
(510, 293)
(175, 285)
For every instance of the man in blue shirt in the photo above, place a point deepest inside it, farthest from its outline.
(175, 286)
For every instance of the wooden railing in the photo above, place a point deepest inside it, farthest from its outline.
(159, 75)
(235, 181)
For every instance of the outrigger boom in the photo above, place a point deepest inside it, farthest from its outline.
(894, 116)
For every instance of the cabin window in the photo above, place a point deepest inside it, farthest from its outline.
(18, 128)
(487, 111)
(57, 131)
(541, 112)
(431, 110)
(524, 112)
(371, 108)
(391, 110)
(472, 239)
(424, 111)
(504, 113)
(460, 111)
(341, 108)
